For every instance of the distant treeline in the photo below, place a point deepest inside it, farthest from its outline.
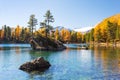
(110, 33)
(14, 35)
(22, 35)
(106, 31)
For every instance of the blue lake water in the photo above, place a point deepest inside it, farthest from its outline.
(70, 64)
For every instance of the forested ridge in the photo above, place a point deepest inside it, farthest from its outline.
(107, 30)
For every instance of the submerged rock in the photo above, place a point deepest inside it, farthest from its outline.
(38, 64)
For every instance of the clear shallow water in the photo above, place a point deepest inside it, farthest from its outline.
(70, 64)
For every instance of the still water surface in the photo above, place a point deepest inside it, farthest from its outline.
(70, 64)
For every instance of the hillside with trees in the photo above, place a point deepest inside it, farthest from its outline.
(107, 31)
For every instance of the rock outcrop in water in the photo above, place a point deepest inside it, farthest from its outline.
(38, 64)
(42, 43)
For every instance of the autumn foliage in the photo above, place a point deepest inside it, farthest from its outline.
(106, 31)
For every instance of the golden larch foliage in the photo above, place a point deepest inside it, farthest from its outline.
(56, 34)
(17, 32)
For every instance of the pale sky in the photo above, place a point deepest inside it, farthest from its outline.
(68, 13)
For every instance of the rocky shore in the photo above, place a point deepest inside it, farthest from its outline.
(42, 43)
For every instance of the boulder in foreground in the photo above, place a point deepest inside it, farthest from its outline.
(38, 64)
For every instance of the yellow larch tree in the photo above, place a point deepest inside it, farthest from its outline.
(17, 32)
(56, 34)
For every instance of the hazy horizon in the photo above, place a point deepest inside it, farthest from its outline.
(68, 13)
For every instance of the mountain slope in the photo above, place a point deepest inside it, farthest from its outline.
(101, 30)
(113, 19)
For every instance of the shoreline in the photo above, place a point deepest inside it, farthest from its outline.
(95, 44)
(105, 44)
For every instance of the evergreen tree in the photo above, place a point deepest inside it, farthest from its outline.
(92, 35)
(43, 24)
(48, 19)
(32, 23)
(73, 36)
(87, 37)
(111, 30)
(117, 33)
(22, 35)
(5, 30)
(8, 33)
(99, 36)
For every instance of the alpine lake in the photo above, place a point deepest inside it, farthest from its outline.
(96, 63)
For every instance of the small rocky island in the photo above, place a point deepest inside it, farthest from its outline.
(43, 43)
(38, 64)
